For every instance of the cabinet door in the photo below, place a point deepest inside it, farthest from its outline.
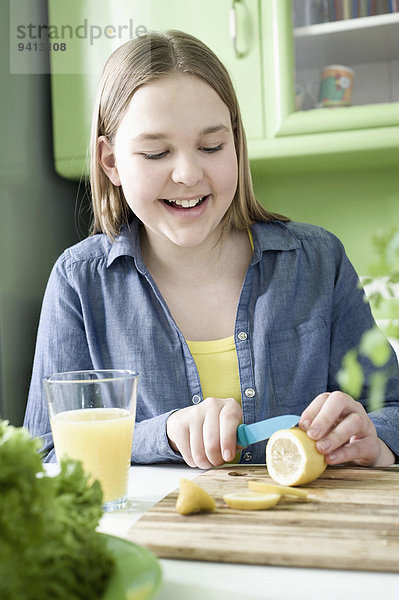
(209, 20)
(85, 33)
(291, 54)
(321, 138)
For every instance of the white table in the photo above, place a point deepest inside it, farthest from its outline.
(195, 580)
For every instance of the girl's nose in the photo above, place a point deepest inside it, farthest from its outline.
(187, 170)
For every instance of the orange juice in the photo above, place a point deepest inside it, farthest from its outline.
(102, 439)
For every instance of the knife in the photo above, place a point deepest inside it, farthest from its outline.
(256, 432)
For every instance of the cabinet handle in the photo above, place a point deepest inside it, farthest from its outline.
(233, 28)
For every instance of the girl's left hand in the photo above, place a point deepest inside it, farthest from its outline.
(343, 431)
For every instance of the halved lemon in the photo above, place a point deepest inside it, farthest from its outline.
(251, 500)
(292, 457)
(192, 498)
(269, 488)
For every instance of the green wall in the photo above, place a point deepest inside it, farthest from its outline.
(352, 204)
(38, 219)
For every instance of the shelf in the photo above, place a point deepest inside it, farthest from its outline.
(375, 148)
(347, 25)
(351, 118)
(348, 42)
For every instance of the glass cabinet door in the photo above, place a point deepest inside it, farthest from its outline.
(300, 133)
(362, 36)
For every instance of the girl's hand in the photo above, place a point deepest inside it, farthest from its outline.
(343, 431)
(205, 434)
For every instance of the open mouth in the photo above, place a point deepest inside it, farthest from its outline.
(186, 204)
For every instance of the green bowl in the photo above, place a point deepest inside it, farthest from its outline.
(137, 574)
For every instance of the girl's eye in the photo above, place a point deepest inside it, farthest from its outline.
(155, 156)
(215, 149)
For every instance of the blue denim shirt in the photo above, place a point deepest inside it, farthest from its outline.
(300, 310)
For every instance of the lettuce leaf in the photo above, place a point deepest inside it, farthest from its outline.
(49, 547)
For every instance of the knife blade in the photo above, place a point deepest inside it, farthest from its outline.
(262, 430)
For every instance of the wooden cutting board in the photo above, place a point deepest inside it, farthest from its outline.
(351, 522)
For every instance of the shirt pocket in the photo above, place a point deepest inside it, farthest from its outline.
(298, 359)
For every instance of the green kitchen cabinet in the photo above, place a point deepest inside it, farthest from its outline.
(262, 65)
(364, 136)
(211, 21)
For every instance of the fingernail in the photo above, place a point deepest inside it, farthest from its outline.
(305, 424)
(332, 457)
(313, 431)
(227, 455)
(324, 445)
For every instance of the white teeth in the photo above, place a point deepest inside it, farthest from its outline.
(187, 203)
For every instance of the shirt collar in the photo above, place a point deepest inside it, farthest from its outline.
(127, 243)
(270, 235)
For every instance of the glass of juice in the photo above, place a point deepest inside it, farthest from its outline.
(92, 416)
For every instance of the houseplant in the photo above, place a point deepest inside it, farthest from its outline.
(382, 288)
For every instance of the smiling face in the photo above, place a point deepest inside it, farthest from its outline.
(175, 158)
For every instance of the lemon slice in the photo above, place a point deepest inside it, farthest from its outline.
(192, 498)
(292, 457)
(269, 488)
(251, 500)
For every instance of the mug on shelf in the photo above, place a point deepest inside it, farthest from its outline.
(336, 86)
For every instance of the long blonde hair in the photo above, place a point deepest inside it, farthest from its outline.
(141, 61)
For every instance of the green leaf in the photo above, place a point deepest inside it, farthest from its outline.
(374, 299)
(391, 330)
(376, 397)
(392, 252)
(386, 248)
(350, 377)
(375, 346)
(366, 279)
(49, 546)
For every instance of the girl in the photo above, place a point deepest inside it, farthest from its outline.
(228, 312)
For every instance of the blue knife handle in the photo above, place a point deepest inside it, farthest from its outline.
(252, 433)
(242, 439)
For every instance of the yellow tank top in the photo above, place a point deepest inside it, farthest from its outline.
(217, 366)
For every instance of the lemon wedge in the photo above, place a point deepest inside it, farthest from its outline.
(251, 500)
(269, 488)
(292, 457)
(192, 498)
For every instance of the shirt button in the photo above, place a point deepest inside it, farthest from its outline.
(247, 456)
(196, 399)
(249, 392)
(242, 336)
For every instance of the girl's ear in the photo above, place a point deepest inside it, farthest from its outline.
(107, 160)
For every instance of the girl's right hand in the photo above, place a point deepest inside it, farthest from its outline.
(205, 434)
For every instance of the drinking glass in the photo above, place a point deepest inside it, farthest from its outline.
(92, 415)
